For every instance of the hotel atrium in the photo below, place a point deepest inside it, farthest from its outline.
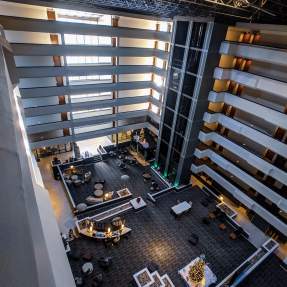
(143, 143)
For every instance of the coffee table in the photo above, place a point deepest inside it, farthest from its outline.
(98, 192)
(88, 268)
(98, 186)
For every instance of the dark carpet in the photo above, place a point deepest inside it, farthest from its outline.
(157, 236)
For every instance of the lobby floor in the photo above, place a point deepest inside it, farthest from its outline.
(157, 236)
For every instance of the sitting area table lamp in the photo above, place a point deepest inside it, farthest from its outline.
(91, 227)
(109, 233)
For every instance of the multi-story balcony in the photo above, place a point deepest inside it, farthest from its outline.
(68, 107)
(78, 50)
(44, 26)
(136, 61)
(248, 132)
(84, 70)
(92, 134)
(27, 93)
(238, 194)
(274, 117)
(92, 120)
(252, 81)
(247, 156)
(265, 54)
(245, 177)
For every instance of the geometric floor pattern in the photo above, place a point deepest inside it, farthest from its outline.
(158, 237)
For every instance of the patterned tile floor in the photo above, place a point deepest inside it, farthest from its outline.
(157, 236)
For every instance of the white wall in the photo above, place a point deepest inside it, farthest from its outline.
(137, 23)
(27, 37)
(22, 10)
(38, 120)
(135, 60)
(37, 102)
(137, 43)
(93, 128)
(26, 61)
(38, 82)
(135, 77)
(133, 93)
(133, 107)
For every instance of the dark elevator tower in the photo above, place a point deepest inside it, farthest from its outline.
(194, 55)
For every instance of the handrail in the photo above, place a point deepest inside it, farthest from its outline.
(259, 255)
(256, 46)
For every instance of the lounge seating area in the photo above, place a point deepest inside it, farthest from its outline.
(92, 184)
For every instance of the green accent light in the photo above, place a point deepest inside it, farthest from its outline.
(176, 184)
(165, 173)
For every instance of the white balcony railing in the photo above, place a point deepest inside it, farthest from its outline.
(246, 156)
(268, 193)
(242, 197)
(274, 117)
(259, 53)
(248, 132)
(252, 81)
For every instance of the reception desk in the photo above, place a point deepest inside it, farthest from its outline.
(105, 235)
